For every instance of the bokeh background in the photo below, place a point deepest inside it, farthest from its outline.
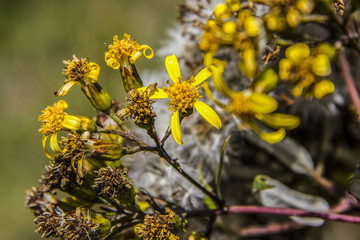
(35, 36)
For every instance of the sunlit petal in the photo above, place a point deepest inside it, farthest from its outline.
(158, 93)
(145, 49)
(266, 81)
(54, 145)
(175, 127)
(278, 120)
(173, 68)
(270, 137)
(298, 52)
(323, 88)
(262, 103)
(65, 88)
(202, 76)
(208, 113)
(321, 65)
(220, 84)
(48, 154)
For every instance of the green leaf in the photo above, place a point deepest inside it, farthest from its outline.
(208, 201)
(272, 193)
(219, 167)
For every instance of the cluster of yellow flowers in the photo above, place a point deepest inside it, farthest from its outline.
(286, 13)
(234, 26)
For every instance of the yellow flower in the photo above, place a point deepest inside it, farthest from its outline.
(122, 54)
(125, 49)
(306, 67)
(86, 74)
(252, 105)
(286, 13)
(184, 96)
(161, 227)
(139, 107)
(54, 119)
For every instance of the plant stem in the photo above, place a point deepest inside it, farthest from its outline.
(344, 65)
(269, 229)
(294, 212)
(176, 166)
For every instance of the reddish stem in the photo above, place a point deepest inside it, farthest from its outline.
(269, 229)
(344, 65)
(294, 212)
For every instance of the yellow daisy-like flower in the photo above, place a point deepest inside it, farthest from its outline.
(306, 68)
(54, 119)
(123, 50)
(84, 73)
(252, 105)
(122, 55)
(184, 96)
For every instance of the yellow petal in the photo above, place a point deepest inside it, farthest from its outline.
(327, 49)
(145, 48)
(221, 11)
(173, 68)
(293, 17)
(298, 52)
(158, 93)
(202, 76)
(43, 141)
(270, 137)
(208, 113)
(280, 120)
(285, 66)
(273, 137)
(175, 127)
(65, 88)
(229, 28)
(248, 65)
(95, 72)
(54, 145)
(252, 26)
(266, 81)
(220, 84)
(262, 103)
(321, 65)
(305, 6)
(323, 88)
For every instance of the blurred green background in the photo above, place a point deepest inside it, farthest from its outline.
(35, 37)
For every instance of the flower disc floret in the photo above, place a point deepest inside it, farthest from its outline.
(182, 95)
(76, 69)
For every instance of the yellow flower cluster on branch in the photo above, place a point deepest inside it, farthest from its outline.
(54, 119)
(306, 69)
(254, 104)
(234, 27)
(286, 13)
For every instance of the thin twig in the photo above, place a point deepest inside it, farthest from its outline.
(267, 230)
(344, 65)
(294, 212)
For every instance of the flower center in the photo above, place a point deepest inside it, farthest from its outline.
(240, 106)
(121, 48)
(76, 69)
(182, 95)
(52, 118)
